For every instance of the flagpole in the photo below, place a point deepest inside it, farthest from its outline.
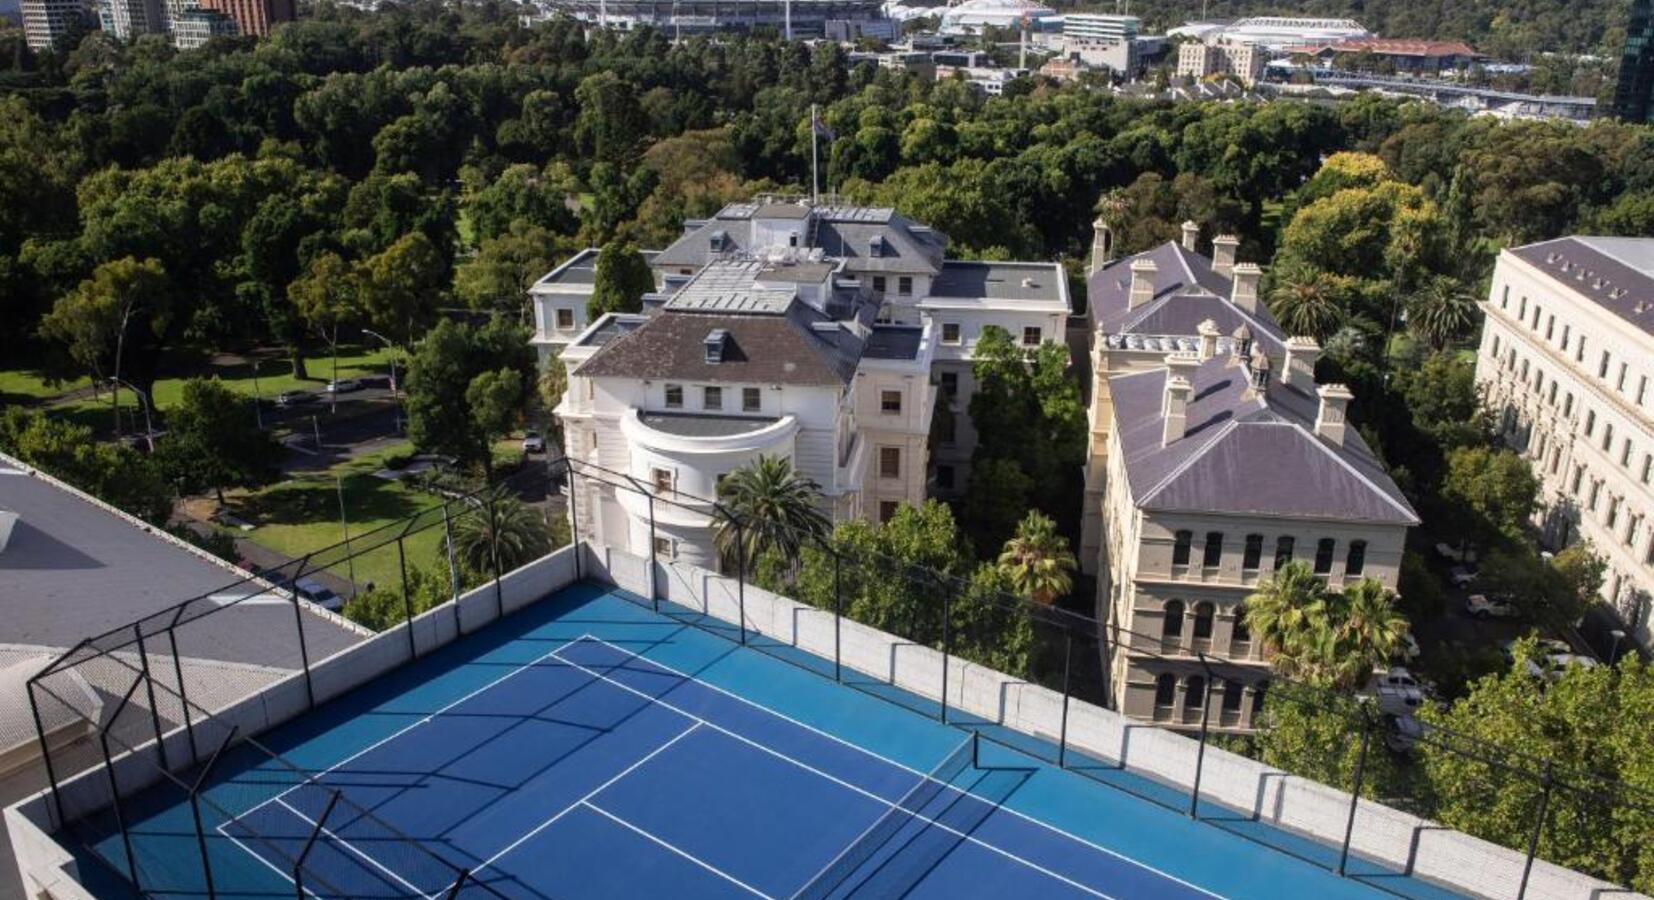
(815, 161)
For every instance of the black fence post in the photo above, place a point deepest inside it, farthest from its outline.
(183, 692)
(115, 804)
(459, 883)
(947, 643)
(407, 602)
(1067, 675)
(1355, 790)
(304, 650)
(45, 750)
(1547, 781)
(195, 810)
(838, 621)
(741, 577)
(574, 517)
(149, 689)
(654, 562)
(448, 545)
(494, 555)
(1200, 754)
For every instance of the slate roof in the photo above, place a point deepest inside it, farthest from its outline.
(1247, 455)
(801, 346)
(845, 232)
(1616, 273)
(1187, 292)
(969, 279)
(894, 342)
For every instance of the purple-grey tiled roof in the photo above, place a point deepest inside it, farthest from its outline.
(800, 346)
(1243, 454)
(1617, 273)
(1187, 292)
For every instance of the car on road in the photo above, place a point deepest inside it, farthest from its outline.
(343, 386)
(294, 398)
(1547, 647)
(319, 594)
(1398, 692)
(1453, 554)
(533, 442)
(1551, 668)
(1402, 733)
(1462, 576)
(1482, 606)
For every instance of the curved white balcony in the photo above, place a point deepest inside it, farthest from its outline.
(696, 449)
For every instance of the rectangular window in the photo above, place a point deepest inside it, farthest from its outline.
(1536, 311)
(1212, 556)
(1031, 336)
(1625, 453)
(878, 284)
(1550, 327)
(1566, 329)
(663, 548)
(752, 400)
(1323, 555)
(712, 398)
(1579, 477)
(944, 478)
(950, 332)
(890, 462)
(1283, 550)
(904, 285)
(1504, 298)
(674, 396)
(887, 510)
(565, 319)
(1496, 347)
(1619, 383)
(1568, 405)
(1596, 491)
(1590, 422)
(890, 402)
(1579, 350)
(1355, 561)
(662, 480)
(1180, 548)
(1613, 512)
(1550, 397)
(1642, 389)
(1522, 309)
(1607, 436)
(1648, 466)
(1254, 553)
(1602, 367)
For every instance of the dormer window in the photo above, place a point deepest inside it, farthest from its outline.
(720, 241)
(715, 342)
(875, 246)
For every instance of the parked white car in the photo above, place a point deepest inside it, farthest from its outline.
(1547, 646)
(533, 442)
(1402, 733)
(1398, 692)
(1482, 606)
(1551, 668)
(1462, 576)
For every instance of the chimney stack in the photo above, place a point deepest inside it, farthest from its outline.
(1258, 369)
(1245, 294)
(1330, 418)
(1302, 353)
(1191, 236)
(1223, 254)
(1174, 409)
(1102, 246)
(1208, 331)
(1240, 344)
(1142, 282)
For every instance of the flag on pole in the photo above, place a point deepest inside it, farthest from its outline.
(820, 127)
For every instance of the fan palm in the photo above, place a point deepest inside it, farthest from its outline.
(512, 526)
(1307, 303)
(767, 506)
(1441, 312)
(1368, 632)
(1037, 561)
(1288, 613)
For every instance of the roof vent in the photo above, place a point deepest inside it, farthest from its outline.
(716, 340)
(1640, 308)
(1550, 258)
(1027, 282)
(1617, 293)
(720, 241)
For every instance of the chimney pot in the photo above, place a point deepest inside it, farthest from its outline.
(1245, 293)
(1330, 418)
(1191, 236)
(1208, 331)
(1302, 353)
(1223, 254)
(1143, 272)
(1175, 406)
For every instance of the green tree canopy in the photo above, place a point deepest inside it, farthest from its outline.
(213, 441)
(621, 279)
(442, 417)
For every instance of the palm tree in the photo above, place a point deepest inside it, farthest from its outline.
(1288, 613)
(1441, 311)
(1307, 303)
(1037, 561)
(514, 526)
(765, 505)
(1368, 632)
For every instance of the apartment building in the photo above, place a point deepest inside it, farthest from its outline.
(1148, 306)
(1245, 61)
(1566, 358)
(45, 22)
(1220, 471)
(898, 265)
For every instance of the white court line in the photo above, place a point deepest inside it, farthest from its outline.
(689, 856)
(316, 777)
(845, 784)
(260, 857)
(863, 750)
(352, 848)
(592, 793)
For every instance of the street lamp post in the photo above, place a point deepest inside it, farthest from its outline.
(1614, 651)
(396, 393)
(258, 399)
(149, 427)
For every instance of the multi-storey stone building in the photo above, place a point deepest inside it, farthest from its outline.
(1220, 472)
(826, 334)
(1566, 360)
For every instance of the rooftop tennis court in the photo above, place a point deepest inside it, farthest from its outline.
(587, 747)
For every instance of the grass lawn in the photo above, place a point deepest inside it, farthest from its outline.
(25, 385)
(301, 515)
(274, 376)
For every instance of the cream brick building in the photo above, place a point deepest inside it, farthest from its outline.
(1566, 360)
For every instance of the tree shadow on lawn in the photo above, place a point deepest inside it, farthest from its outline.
(310, 500)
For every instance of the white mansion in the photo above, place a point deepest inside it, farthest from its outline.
(824, 334)
(1566, 358)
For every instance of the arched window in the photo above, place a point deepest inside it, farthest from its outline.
(1232, 692)
(1180, 549)
(1258, 690)
(1254, 553)
(1283, 550)
(1171, 625)
(1356, 560)
(1241, 634)
(1165, 690)
(1323, 555)
(1212, 555)
(1194, 692)
(1203, 619)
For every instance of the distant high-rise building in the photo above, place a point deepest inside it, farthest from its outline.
(44, 21)
(1634, 98)
(254, 17)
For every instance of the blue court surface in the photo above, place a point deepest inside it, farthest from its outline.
(589, 748)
